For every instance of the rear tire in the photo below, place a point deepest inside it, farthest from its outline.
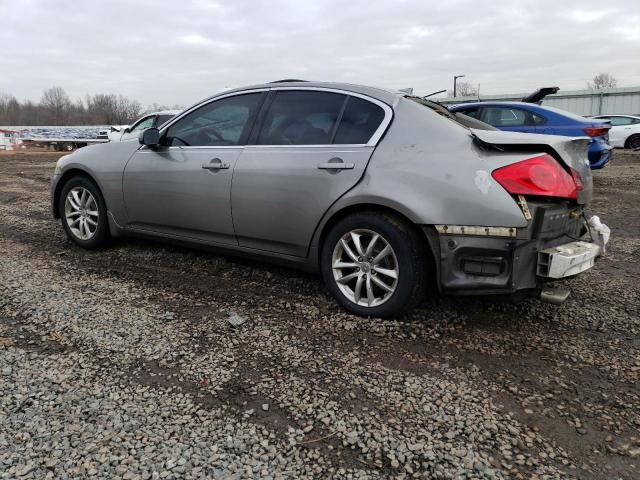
(385, 279)
(83, 213)
(633, 142)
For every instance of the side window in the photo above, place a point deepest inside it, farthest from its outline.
(219, 123)
(505, 117)
(470, 112)
(143, 124)
(359, 121)
(162, 119)
(301, 118)
(619, 121)
(538, 119)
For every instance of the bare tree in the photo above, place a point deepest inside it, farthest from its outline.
(56, 108)
(464, 89)
(56, 104)
(602, 80)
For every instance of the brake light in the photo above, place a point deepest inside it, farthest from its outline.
(596, 131)
(542, 176)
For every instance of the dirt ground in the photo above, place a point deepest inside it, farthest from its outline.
(462, 388)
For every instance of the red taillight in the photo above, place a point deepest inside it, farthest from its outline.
(542, 176)
(596, 131)
(577, 178)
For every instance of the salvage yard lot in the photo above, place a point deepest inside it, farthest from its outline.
(122, 363)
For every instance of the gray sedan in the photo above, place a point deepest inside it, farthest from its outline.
(388, 197)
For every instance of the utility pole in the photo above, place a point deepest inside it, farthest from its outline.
(455, 79)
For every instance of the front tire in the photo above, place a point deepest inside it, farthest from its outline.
(83, 213)
(374, 264)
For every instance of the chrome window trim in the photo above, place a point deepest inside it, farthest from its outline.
(373, 141)
(167, 125)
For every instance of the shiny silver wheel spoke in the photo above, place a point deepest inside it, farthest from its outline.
(372, 244)
(387, 271)
(340, 264)
(348, 278)
(370, 297)
(383, 253)
(357, 291)
(81, 213)
(348, 251)
(365, 267)
(381, 284)
(356, 241)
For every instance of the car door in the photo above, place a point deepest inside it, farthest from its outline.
(510, 119)
(313, 145)
(183, 187)
(621, 128)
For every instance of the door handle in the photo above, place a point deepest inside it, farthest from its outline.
(215, 164)
(336, 164)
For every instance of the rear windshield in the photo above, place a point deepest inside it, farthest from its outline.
(436, 107)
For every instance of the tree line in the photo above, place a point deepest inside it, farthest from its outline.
(56, 108)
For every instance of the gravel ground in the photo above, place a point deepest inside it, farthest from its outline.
(122, 363)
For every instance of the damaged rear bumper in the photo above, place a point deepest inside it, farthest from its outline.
(557, 243)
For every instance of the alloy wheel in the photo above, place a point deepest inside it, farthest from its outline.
(81, 213)
(365, 267)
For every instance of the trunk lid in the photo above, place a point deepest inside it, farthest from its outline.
(571, 151)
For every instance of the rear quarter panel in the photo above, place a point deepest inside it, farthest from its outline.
(428, 168)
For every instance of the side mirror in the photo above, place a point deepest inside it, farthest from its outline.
(149, 137)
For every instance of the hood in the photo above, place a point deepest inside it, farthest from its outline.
(573, 151)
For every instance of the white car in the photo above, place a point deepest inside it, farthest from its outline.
(625, 130)
(154, 119)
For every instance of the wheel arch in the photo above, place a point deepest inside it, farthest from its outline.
(627, 142)
(66, 176)
(334, 217)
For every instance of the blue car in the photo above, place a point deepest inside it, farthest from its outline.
(533, 118)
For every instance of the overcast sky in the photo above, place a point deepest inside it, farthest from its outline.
(172, 52)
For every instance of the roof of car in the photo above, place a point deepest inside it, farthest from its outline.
(388, 96)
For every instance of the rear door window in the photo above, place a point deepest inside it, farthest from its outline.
(537, 119)
(470, 112)
(505, 117)
(619, 121)
(359, 122)
(301, 118)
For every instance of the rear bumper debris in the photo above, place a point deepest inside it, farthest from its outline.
(568, 259)
(557, 243)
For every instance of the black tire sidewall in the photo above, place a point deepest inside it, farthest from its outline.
(635, 137)
(102, 233)
(409, 254)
